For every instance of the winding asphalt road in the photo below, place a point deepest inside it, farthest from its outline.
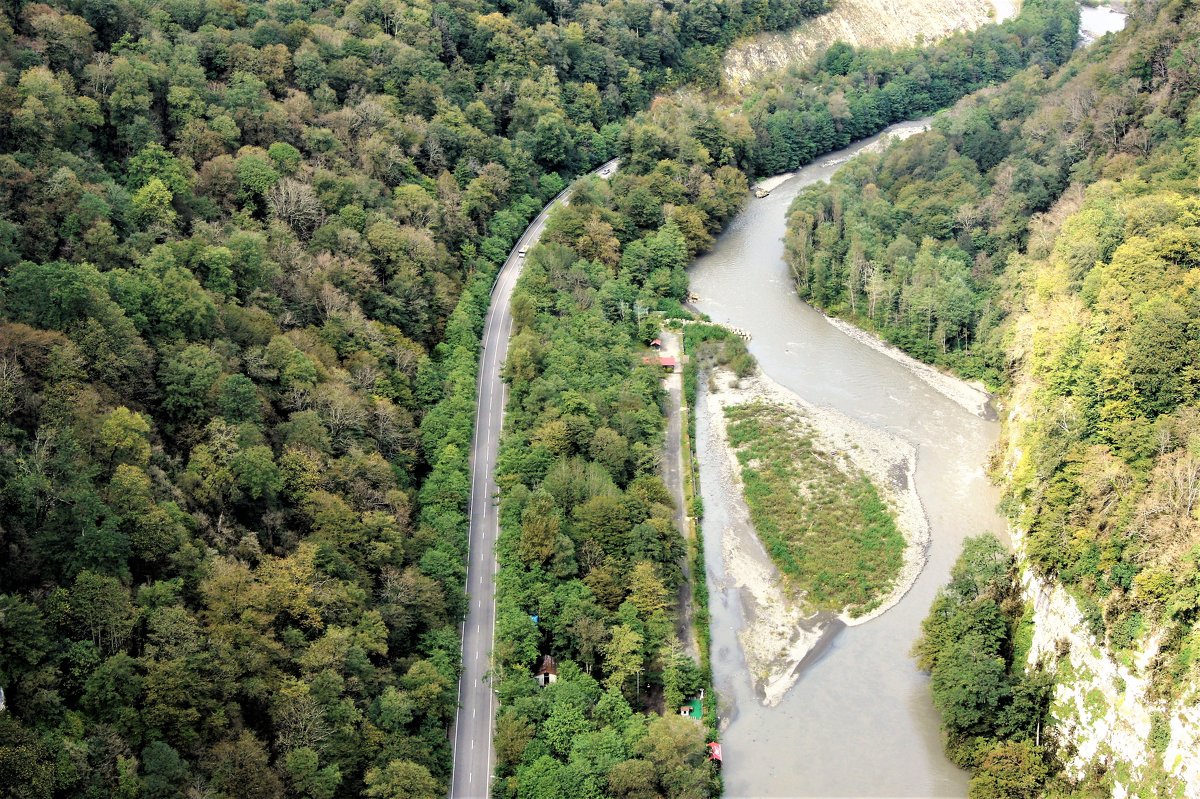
(474, 723)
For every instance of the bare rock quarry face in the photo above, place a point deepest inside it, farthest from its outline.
(872, 23)
(1102, 710)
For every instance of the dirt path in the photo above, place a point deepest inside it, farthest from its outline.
(672, 472)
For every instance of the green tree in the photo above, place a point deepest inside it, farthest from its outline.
(164, 772)
(101, 609)
(1010, 770)
(152, 205)
(186, 379)
(237, 400)
(307, 778)
(242, 768)
(540, 525)
(622, 655)
(124, 438)
(563, 726)
(402, 779)
(256, 473)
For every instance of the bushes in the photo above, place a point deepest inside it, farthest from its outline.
(992, 709)
(822, 521)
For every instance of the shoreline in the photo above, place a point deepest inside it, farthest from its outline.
(971, 396)
(884, 138)
(780, 633)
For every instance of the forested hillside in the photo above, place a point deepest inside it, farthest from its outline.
(849, 94)
(1044, 236)
(245, 248)
(891, 243)
(589, 558)
(589, 553)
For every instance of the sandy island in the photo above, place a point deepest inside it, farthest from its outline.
(779, 630)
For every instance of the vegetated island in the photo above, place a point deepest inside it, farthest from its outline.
(827, 529)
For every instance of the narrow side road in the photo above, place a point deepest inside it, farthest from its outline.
(475, 722)
(672, 472)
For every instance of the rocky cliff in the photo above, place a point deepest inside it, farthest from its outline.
(1106, 722)
(861, 22)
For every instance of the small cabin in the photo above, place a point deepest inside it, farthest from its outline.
(546, 672)
(656, 345)
(714, 753)
(665, 362)
(693, 708)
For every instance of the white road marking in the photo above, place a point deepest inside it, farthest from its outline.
(497, 332)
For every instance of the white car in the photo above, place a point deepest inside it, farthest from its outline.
(521, 252)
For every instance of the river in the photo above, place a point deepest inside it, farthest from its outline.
(1095, 21)
(860, 720)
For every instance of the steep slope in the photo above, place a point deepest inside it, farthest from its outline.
(860, 23)
(1044, 236)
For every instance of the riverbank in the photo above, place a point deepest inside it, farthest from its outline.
(876, 144)
(862, 23)
(779, 632)
(857, 690)
(972, 396)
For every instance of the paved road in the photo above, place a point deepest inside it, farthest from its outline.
(475, 722)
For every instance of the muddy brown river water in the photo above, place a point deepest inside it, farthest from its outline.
(859, 722)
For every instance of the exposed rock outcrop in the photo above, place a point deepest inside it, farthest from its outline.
(861, 22)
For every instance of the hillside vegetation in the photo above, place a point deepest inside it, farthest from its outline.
(1043, 236)
(823, 521)
(245, 249)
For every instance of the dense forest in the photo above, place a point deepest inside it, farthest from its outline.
(973, 644)
(1043, 236)
(590, 556)
(245, 249)
(885, 244)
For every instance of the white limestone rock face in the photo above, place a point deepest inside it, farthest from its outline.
(864, 23)
(1101, 713)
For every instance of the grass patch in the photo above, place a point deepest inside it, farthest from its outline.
(823, 522)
